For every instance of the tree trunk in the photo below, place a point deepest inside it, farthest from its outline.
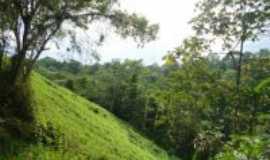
(32, 62)
(253, 114)
(2, 50)
(145, 113)
(239, 67)
(17, 68)
(238, 85)
(1, 58)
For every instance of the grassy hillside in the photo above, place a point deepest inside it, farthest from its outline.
(74, 128)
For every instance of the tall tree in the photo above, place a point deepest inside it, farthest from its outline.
(234, 22)
(3, 44)
(34, 23)
(3, 40)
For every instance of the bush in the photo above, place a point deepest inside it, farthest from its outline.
(69, 84)
(246, 148)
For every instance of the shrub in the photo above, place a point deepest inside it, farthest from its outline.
(246, 148)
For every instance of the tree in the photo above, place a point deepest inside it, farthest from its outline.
(191, 49)
(73, 66)
(234, 22)
(3, 41)
(187, 108)
(70, 84)
(2, 49)
(34, 23)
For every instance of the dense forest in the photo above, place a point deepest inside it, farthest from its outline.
(187, 108)
(201, 103)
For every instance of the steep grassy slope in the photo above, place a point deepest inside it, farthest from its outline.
(79, 129)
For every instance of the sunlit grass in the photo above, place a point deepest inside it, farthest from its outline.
(82, 130)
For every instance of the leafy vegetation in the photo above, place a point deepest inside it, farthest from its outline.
(30, 25)
(199, 105)
(70, 127)
(187, 108)
(246, 148)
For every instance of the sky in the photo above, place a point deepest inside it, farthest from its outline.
(172, 16)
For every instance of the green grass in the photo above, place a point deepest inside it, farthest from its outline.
(76, 129)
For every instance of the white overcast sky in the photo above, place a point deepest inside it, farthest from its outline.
(173, 17)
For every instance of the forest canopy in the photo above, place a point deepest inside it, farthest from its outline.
(199, 104)
(187, 108)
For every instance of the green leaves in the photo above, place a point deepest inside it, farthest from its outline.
(134, 26)
(263, 86)
(191, 49)
(35, 23)
(246, 148)
(186, 107)
(231, 20)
